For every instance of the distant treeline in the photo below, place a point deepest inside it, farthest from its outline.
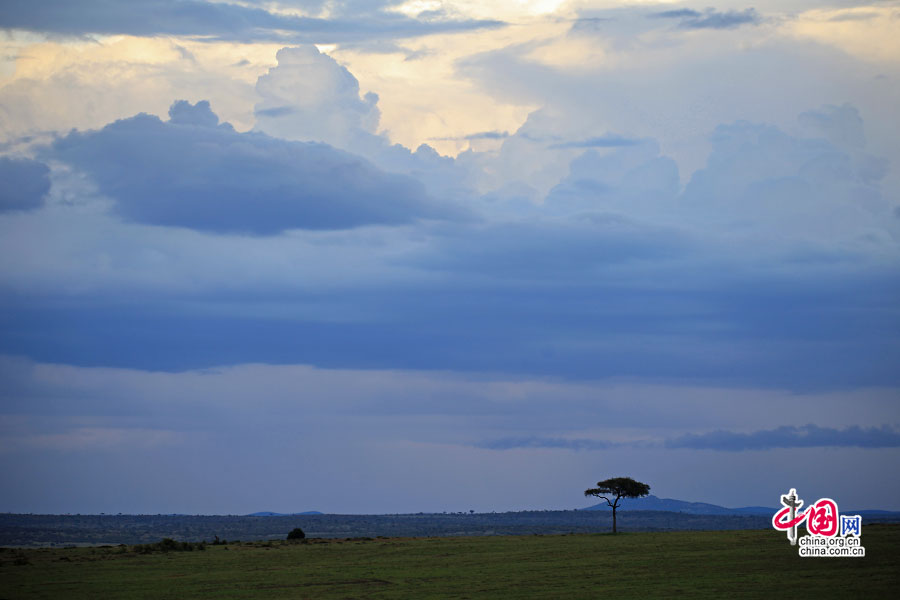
(62, 530)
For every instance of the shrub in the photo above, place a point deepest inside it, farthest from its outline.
(296, 534)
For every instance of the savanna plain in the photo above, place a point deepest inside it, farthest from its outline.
(694, 564)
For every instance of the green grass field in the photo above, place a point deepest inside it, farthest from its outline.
(751, 564)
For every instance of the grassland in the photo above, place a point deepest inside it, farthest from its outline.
(93, 530)
(714, 564)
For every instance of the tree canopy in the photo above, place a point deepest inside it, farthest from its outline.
(613, 490)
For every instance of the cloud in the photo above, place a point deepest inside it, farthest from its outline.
(309, 96)
(711, 18)
(25, 184)
(538, 250)
(390, 430)
(481, 135)
(840, 125)
(823, 187)
(193, 172)
(215, 21)
(649, 80)
(60, 85)
(807, 436)
(605, 141)
(200, 114)
(680, 13)
(544, 442)
(866, 31)
(633, 179)
(761, 258)
(614, 274)
(858, 15)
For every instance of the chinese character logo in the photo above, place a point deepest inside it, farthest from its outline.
(830, 533)
(822, 518)
(786, 518)
(851, 525)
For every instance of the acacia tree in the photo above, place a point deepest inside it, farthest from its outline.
(618, 487)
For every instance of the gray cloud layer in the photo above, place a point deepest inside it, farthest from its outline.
(192, 172)
(807, 436)
(216, 21)
(590, 267)
(306, 438)
(606, 141)
(25, 184)
(543, 442)
(711, 18)
(774, 267)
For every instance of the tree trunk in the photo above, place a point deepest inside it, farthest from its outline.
(614, 519)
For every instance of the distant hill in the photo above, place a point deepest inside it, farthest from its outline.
(266, 513)
(702, 508)
(692, 508)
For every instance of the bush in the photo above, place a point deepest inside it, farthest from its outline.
(296, 534)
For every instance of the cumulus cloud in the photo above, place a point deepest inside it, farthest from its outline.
(217, 21)
(200, 114)
(25, 184)
(635, 179)
(807, 436)
(309, 96)
(840, 125)
(823, 186)
(193, 172)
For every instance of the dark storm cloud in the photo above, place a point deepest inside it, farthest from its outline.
(192, 172)
(711, 18)
(216, 20)
(25, 184)
(807, 436)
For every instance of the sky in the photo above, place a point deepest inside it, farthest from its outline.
(387, 256)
